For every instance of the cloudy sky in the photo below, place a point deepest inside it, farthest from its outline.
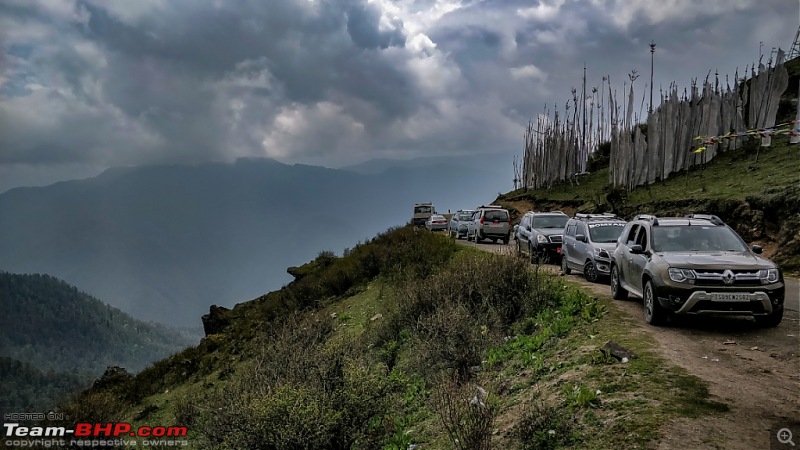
(89, 84)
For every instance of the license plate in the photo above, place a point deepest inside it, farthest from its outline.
(732, 297)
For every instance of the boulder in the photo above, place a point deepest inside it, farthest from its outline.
(216, 320)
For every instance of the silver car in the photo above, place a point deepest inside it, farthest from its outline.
(589, 241)
(436, 222)
(459, 223)
(490, 222)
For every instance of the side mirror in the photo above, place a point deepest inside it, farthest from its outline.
(757, 249)
(528, 227)
(637, 249)
(580, 237)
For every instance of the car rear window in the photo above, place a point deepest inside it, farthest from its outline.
(550, 221)
(501, 216)
(422, 209)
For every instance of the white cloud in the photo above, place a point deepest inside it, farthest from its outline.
(544, 11)
(529, 71)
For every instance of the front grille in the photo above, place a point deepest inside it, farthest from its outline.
(556, 238)
(750, 307)
(734, 278)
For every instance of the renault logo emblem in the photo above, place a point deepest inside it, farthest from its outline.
(727, 276)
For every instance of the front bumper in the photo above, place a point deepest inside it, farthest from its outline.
(603, 266)
(550, 248)
(731, 300)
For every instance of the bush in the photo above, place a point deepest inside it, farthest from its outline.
(453, 340)
(467, 413)
(544, 427)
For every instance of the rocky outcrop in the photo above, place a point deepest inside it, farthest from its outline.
(113, 376)
(216, 320)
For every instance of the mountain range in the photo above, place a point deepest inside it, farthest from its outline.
(164, 242)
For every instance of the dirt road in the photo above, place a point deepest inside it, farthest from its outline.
(755, 371)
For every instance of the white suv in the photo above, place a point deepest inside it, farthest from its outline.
(490, 222)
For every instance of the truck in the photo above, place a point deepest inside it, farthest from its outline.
(422, 211)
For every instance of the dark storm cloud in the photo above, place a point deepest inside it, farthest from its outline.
(107, 83)
(363, 25)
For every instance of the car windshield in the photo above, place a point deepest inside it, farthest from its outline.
(501, 216)
(604, 233)
(423, 209)
(686, 238)
(435, 217)
(550, 221)
(465, 216)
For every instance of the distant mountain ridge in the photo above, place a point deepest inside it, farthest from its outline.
(164, 242)
(380, 165)
(53, 326)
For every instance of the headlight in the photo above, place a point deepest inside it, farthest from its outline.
(601, 253)
(681, 275)
(769, 276)
(542, 239)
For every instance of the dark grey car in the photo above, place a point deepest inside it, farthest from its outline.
(539, 235)
(695, 265)
(589, 241)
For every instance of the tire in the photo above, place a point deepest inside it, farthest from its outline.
(590, 272)
(564, 267)
(654, 313)
(770, 321)
(478, 239)
(617, 291)
(505, 241)
(534, 255)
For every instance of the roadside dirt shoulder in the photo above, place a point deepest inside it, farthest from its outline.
(753, 370)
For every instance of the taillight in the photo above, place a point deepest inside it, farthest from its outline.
(481, 220)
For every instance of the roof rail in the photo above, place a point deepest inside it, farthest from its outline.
(710, 217)
(648, 217)
(595, 216)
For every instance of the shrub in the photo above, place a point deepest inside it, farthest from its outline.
(453, 340)
(467, 413)
(544, 427)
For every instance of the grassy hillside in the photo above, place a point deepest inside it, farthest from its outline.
(406, 339)
(757, 192)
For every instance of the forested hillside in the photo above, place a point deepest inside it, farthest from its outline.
(25, 388)
(53, 326)
(55, 339)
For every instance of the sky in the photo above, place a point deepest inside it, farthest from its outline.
(90, 84)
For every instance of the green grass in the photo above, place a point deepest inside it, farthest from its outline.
(731, 175)
(544, 375)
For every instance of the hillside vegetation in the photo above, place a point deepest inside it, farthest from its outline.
(409, 339)
(54, 338)
(757, 191)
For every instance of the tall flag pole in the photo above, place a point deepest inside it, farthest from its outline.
(652, 57)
